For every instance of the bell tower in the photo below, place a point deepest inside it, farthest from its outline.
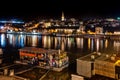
(62, 17)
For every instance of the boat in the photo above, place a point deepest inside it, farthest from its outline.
(56, 60)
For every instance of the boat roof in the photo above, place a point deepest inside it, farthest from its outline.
(38, 50)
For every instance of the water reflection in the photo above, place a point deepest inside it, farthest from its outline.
(21, 40)
(89, 43)
(47, 41)
(117, 46)
(10, 39)
(63, 43)
(97, 45)
(106, 43)
(2, 40)
(79, 42)
(92, 45)
(101, 44)
(76, 46)
(14, 40)
(34, 40)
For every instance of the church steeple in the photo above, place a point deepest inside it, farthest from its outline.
(62, 17)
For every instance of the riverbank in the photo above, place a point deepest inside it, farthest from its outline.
(111, 36)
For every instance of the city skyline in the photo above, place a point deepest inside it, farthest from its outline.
(53, 9)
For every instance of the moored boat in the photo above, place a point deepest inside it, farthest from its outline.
(56, 60)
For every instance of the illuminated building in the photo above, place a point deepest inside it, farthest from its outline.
(98, 30)
(55, 59)
(47, 24)
(117, 32)
(81, 29)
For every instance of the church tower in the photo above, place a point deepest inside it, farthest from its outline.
(62, 17)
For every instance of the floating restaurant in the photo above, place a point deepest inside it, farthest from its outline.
(56, 60)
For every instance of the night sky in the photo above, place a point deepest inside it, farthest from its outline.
(53, 8)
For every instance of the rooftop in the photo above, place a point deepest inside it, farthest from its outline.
(39, 50)
(97, 56)
(90, 57)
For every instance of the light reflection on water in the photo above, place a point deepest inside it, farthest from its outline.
(75, 46)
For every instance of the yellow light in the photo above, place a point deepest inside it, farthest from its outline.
(89, 43)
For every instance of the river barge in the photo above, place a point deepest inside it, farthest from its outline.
(56, 60)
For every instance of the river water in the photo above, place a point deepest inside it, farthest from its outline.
(75, 46)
